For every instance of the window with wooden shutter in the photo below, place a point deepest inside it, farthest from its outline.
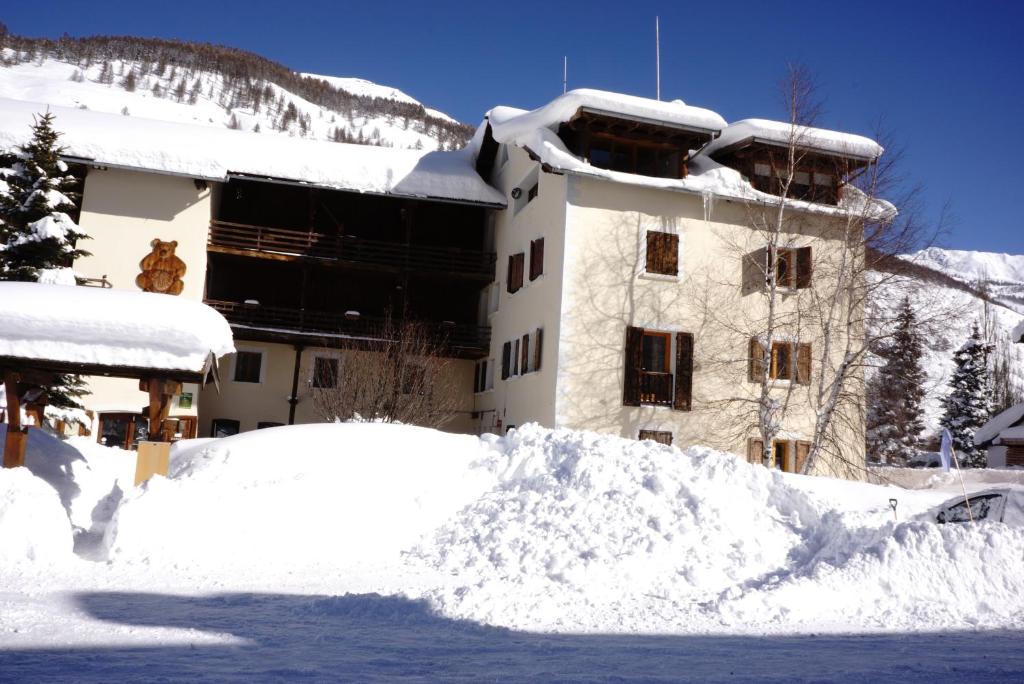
(538, 340)
(755, 368)
(525, 354)
(515, 272)
(782, 361)
(755, 451)
(662, 253)
(659, 436)
(536, 258)
(803, 267)
(781, 455)
(683, 397)
(785, 267)
(506, 360)
(803, 451)
(515, 357)
(634, 359)
(803, 364)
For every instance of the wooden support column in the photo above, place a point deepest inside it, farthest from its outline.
(17, 436)
(161, 391)
(293, 400)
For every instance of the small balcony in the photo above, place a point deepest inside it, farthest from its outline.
(656, 388)
(323, 327)
(286, 244)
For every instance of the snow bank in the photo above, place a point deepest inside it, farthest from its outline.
(89, 325)
(217, 153)
(33, 524)
(805, 137)
(314, 498)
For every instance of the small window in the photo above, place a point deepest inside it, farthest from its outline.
(536, 258)
(515, 357)
(325, 372)
(532, 193)
(483, 378)
(515, 272)
(662, 253)
(659, 436)
(763, 170)
(655, 368)
(248, 365)
(782, 354)
(788, 361)
(224, 427)
(784, 268)
(264, 424)
(656, 352)
(527, 190)
(525, 351)
(414, 380)
(780, 455)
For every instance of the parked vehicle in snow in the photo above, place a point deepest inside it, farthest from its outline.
(997, 505)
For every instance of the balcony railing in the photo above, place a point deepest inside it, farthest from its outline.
(396, 255)
(461, 339)
(656, 388)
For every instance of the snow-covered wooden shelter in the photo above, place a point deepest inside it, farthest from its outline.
(51, 330)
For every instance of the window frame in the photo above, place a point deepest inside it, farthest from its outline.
(653, 435)
(313, 375)
(262, 370)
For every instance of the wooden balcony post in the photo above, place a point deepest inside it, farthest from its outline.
(17, 436)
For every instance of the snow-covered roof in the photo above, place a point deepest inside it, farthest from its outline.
(508, 122)
(216, 154)
(535, 131)
(805, 137)
(1000, 422)
(107, 327)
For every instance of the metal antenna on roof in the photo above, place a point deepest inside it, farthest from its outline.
(657, 58)
(565, 73)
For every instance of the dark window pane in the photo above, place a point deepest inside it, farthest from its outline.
(223, 427)
(325, 372)
(646, 161)
(654, 353)
(601, 155)
(247, 366)
(263, 424)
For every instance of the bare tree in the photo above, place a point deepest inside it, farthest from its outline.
(399, 372)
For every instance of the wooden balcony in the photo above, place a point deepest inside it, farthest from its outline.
(286, 244)
(326, 328)
(656, 388)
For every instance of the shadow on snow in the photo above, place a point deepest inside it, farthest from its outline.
(385, 638)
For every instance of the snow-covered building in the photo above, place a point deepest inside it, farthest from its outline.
(1003, 438)
(571, 254)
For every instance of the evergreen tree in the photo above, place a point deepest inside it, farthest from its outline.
(36, 233)
(968, 405)
(895, 414)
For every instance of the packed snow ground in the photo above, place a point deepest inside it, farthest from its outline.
(383, 552)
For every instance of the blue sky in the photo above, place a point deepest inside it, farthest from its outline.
(947, 78)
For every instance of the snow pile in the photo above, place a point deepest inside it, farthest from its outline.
(805, 137)
(310, 498)
(33, 524)
(217, 153)
(89, 325)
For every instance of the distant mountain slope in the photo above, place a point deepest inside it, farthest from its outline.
(217, 86)
(943, 287)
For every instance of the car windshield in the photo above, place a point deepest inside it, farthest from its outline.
(981, 507)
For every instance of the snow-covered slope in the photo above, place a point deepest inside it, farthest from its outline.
(1002, 274)
(208, 99)
(948, 313)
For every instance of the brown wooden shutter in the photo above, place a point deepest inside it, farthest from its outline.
(756, 365)
(803, 450)
(755, 451)
(634, 360)
(511, 274)
(536, 258)
(506, 360)
(803, 267)
(683, 398)
(476, 378)
(520, 264)
(754, 274)
(537, 348)
(803, 364)
(515, 272)
(662, 253)
(525, 349)
(515, 358)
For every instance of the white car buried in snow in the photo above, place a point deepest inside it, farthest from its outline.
(1004, 505)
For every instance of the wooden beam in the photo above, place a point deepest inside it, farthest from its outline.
(161, 391)
(17, 436)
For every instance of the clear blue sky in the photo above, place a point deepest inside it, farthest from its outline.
(946, 77)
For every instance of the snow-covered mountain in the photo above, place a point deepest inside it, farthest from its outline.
(1001, 274)
(134, 78)
(949, 308)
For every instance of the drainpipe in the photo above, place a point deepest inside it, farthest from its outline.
(293, 400)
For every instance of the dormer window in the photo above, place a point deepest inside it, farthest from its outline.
(644, 147)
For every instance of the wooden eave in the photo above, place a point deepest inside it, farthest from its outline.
(599, 121)
(854, 161)
(25, 366)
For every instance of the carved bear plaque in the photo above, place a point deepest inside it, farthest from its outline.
(161, 269)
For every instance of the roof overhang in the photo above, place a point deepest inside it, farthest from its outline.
(700, 130)
(753, 140)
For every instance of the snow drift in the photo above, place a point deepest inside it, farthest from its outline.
(548, 530)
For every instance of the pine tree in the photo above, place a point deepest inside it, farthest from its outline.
(36, 233)
(895, 414)
(968, 405)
